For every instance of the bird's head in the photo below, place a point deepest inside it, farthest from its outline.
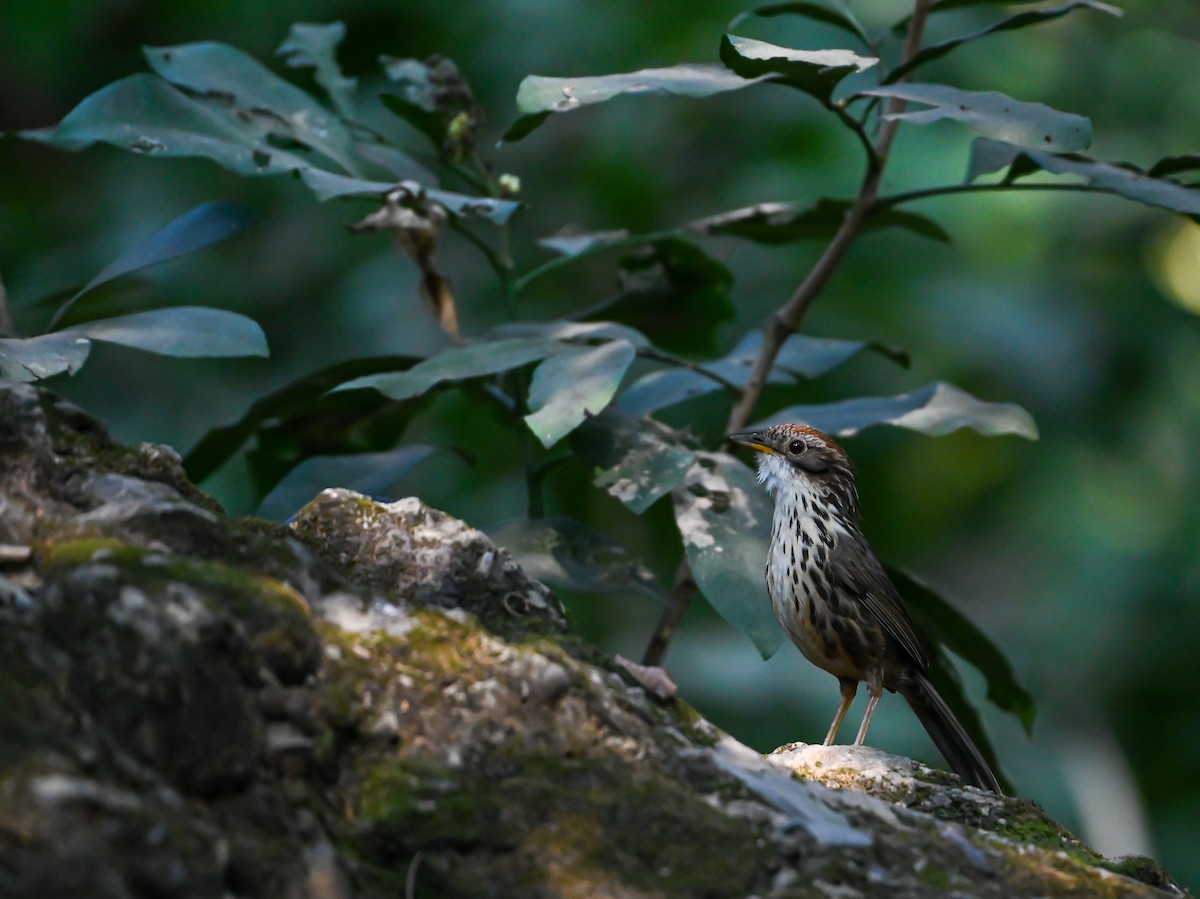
(796, 458)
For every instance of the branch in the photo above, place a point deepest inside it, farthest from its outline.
(784, 321)
(909, 196)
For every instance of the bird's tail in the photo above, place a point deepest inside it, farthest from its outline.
(948, 735)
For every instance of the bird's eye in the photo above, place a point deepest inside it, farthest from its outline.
(796, 447)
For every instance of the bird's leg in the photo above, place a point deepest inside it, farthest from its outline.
(875, 689)
(849, 688)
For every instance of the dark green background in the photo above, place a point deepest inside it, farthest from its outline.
(1078, 554)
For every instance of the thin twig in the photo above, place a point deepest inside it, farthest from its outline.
(410, 878)
(909, 196)
(658, 355)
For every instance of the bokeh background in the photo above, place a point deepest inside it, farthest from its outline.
(1078, 554)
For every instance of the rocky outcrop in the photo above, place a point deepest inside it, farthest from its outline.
(378, 702)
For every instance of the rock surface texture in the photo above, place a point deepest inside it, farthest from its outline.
(378, 702)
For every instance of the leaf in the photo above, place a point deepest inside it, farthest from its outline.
(433, 94)
(816, 72)
(1106, 177)
(146, 115)
(456, 364)
(945, 625)
(993, 115)
(808, 357)
(539, 96)
(673, 292)
(1173, 165)
(185, 331)
(778, 223)
(219, 70)
(572, 244)
(638, 461)
(35, 358)
(574, 383)
(935, 409)
(724, 518)
(292, 407)
(1020, 20)
(203, 226)
(315, 47)
(567, 554)
(571, 331)
(370, 474)
(329, 186)
(828, 13)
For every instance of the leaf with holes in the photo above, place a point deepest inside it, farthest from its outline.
(330, 186)
(638, 461)
(258, 95)
(935, 409)
(315, 47)
(567, 554)
(816, 72)
(724, 517)
(35, 358)
(145, 114)
(539, 97)
(993, 115)
(574, 383)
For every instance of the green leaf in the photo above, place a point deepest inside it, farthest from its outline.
(329, 186)
(315, 47)
(1020, 20)
(1105, 177)
(807, 357)
(828, 13)
(35, 358)
(816, 72)
(457, 364)
(575, 383)
(370, 474)
(724, 518)
(779, 223)
(259, 95)
(945, 625)
(638, 461)
(185, 331)
(539, 96)
(575, 244)
(294, 407)
(1173, 165)
(993, 115)
(146, 115)
(577, 332)
(567, 554)
(200, 227)
(935, 409)
(673, 292)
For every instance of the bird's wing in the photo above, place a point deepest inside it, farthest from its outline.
(862, 576)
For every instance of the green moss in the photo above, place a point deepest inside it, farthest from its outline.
(275, 617)
(659, 836)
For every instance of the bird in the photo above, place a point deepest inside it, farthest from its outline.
(833, 597)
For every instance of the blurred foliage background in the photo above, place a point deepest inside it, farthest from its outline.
(1079, 554)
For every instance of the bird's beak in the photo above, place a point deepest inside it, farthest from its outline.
(756, 440)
